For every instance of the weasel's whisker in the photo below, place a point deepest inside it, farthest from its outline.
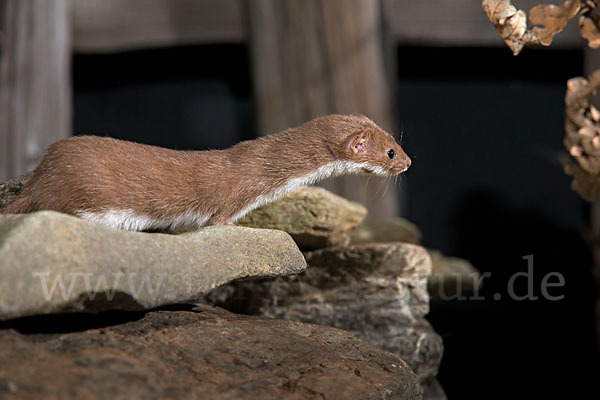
(387, 185)
(382, 185)
(401, 132)
(365, 189)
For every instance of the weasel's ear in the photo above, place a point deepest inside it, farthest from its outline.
(357, 144)
(359, 115)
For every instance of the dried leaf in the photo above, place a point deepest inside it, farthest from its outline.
(575, 84)
(589, 27)
(511, 23)
(582, 135)
(548, 20)
(575, 151)
(586, 185)
(587, 131)
(594, 114)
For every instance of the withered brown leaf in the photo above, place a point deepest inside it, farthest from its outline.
(582, 135)
(547, 20)
(510, 23)
(589, 24)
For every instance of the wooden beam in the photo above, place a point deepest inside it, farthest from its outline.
(35, 88)
(118, 25)
(311, 58)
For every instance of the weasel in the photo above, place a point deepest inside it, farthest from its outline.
(140, 187)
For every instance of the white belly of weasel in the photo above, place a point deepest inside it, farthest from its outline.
(129, 220)
(333, 169)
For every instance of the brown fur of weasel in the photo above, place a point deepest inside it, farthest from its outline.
(134, 186)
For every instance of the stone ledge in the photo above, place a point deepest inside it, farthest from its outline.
(94, 268)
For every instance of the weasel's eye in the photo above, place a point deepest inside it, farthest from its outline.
(391, 153)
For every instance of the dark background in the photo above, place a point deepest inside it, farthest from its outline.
(485, 131)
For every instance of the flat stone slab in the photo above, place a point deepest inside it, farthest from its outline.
(52, 262)
(315, 217)
(203, 353)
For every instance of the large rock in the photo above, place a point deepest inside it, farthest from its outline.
(377, 292)
(52, 262)
(450, 276)
(313, 216)
(203, 353)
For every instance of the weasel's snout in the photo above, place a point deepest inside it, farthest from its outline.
(403, 164)
(407, 163)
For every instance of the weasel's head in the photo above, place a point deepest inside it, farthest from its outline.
(375, 150)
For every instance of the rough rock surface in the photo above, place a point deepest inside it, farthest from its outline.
(201, 353)
(52, 262)
(313, 216)
(451, 277)
(11, 189)
(393, 230)
(377, 292)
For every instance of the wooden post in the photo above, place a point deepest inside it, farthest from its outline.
(316, 57)
(35, 88)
